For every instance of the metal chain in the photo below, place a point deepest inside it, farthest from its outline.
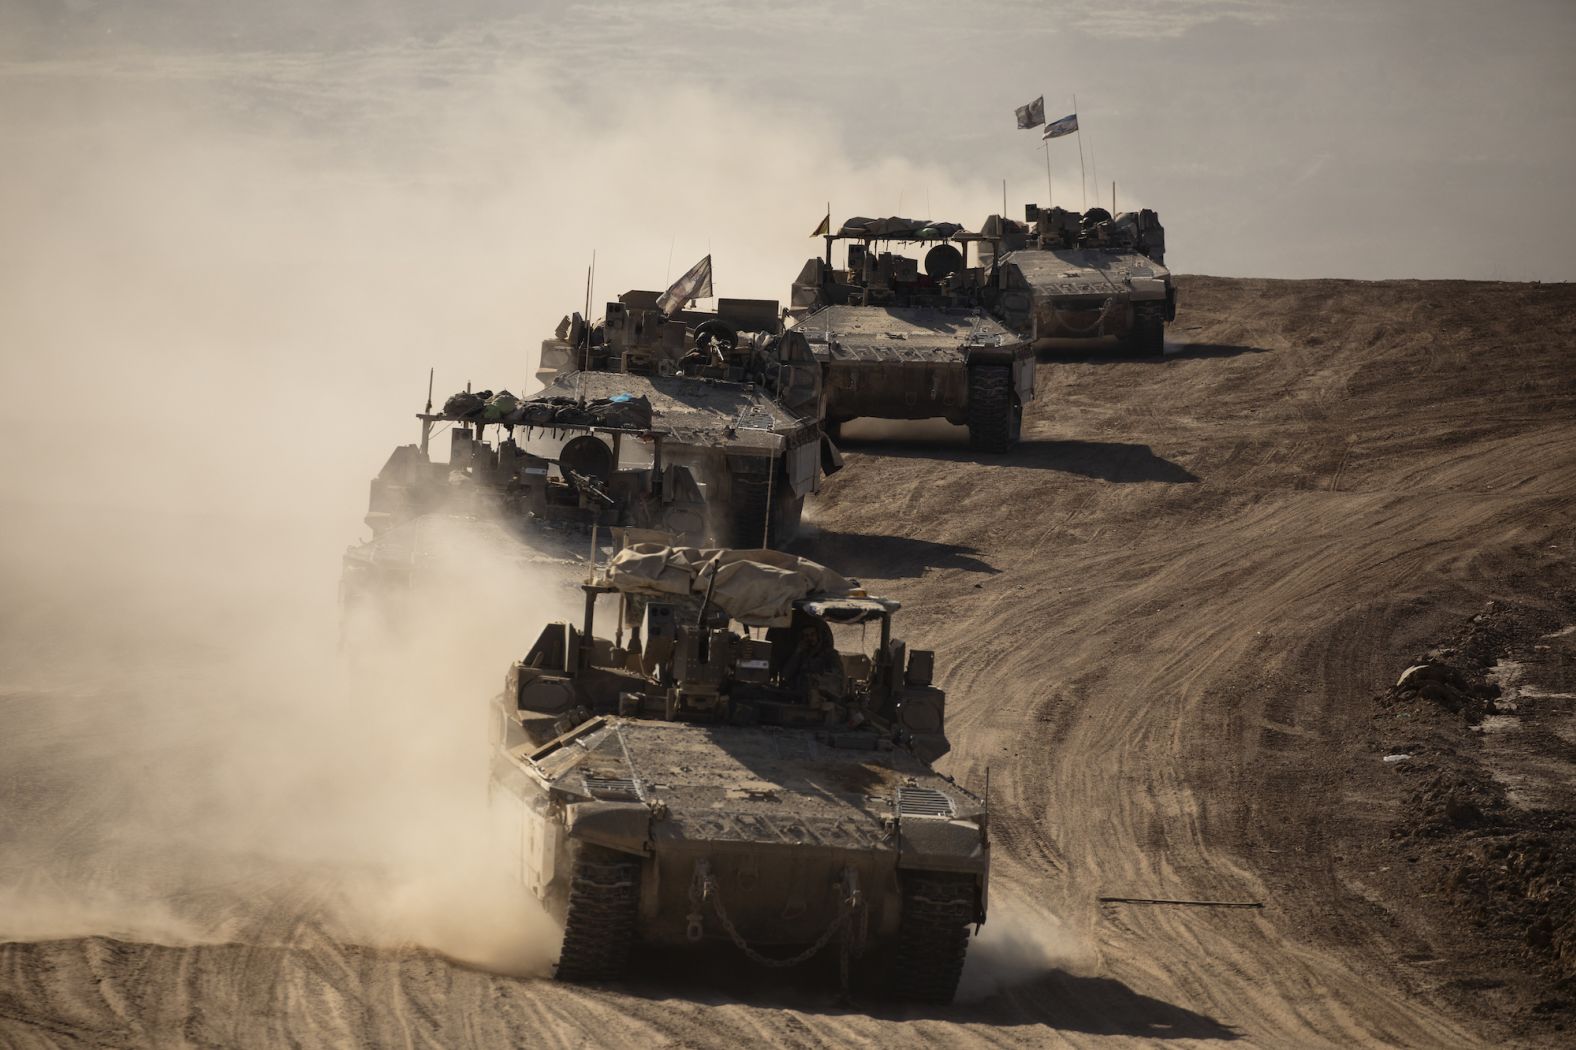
(705, 888)
(712, 893)
(1098, 321)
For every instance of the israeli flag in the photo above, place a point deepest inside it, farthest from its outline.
(1066, 126)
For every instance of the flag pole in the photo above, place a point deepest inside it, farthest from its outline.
(1094, 174)
(585, 352)
(1047, 144)
(1083, 179)
(585, 347)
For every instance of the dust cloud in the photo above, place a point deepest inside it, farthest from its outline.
(222, 281)
(252, 782)
(1018, 945)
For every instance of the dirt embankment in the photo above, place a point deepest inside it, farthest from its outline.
(1165, 624)
(1470, 758)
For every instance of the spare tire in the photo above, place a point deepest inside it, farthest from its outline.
(724, 333)
(943, 261)
(589, 456)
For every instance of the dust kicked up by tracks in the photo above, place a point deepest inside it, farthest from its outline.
(196, 773)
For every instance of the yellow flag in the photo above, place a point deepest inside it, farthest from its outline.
(825, 227)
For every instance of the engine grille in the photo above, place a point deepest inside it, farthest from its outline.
(611, 789)
(923, 802)
(754, 419)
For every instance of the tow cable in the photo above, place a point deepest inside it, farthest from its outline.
(852, 917)
(1098, 321)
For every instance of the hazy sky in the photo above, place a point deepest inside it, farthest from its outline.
(1371, 139)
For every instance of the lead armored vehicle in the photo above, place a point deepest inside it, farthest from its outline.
(737, 769)
(1071, 280)
(901, 339)
(736, 397)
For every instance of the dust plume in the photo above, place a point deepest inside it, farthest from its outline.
(1018, 945)
(222, 281)
(257, 783)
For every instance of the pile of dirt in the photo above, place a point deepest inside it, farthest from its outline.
(1489, 842)
(1458, 691)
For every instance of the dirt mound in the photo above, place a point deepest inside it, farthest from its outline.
(1487, 809)
(1457, 691)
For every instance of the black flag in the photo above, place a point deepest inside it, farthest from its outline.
(1032, 115)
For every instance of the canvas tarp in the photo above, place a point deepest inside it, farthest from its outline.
(896, 228)
(619, 412)
(755, 587)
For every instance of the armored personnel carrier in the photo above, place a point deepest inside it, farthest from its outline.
(900, 341)
(525, 480)
(724, 773)
(693, 425)
(1070, 280)
(736, 398)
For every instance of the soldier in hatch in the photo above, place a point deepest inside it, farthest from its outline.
(813, 667)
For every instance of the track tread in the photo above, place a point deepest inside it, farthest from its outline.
(1148, 337)
(751, 506)
(933, 936)
(599, 926)
(749, 511)
(991, 411)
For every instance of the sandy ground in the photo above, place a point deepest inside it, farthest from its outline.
(1157, 622)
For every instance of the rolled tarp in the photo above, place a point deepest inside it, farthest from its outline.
(756, 587)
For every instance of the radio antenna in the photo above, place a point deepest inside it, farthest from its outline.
(426, 423)
(585, 352)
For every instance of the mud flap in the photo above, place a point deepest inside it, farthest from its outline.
(623, 826)
(831, 458)
(801, 469)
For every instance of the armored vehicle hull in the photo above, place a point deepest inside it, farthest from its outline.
(515, 492)
(753, 460)
(705, 785)
(895, 343)
(1074, 281)
(784, 839)
(1069, 298)
(737, 399)
(890, 362)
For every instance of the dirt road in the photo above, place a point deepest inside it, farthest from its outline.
(1157, 622)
